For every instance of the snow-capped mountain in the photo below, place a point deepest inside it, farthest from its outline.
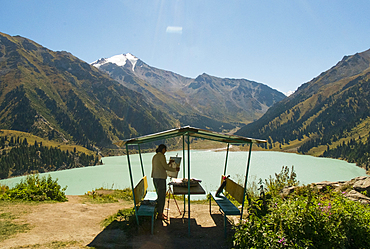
(119, 60)
(135, 67)
(205, 101)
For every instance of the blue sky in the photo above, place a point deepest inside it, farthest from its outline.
(282, 43)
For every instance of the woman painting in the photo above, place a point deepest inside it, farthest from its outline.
(159, 175)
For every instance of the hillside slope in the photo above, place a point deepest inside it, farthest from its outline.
(328, 111)
(56, 95)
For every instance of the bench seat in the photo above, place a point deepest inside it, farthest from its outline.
(145, 202)
(226, 206)
(147, 206)
(146, 210)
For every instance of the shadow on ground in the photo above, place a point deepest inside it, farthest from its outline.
(169, 234)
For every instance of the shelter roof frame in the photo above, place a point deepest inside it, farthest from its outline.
(193, 132)
(189, 131)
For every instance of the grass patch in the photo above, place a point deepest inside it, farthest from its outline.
(124, 220)
(8, 227)
(10, 212)
(45, 142)
(55, 244)
(102, 195)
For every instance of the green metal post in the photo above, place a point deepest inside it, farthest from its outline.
(188, 184)
(227, 155)
(183, 162)
(246, 178)
(141, 161)
(132, 183)
(183, 155)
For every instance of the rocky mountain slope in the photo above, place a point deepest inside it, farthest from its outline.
(56, 95)
(206, 101)
(329, 111)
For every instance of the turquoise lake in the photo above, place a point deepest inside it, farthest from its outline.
(205, 165)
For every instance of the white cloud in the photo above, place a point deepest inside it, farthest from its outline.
(174, 30)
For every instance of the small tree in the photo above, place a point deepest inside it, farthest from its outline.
(281, 180)
(36, 188)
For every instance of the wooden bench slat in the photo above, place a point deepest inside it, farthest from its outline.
(147, 207)
(140, 190)
(225, 204)
(235, 190)
(146, 210)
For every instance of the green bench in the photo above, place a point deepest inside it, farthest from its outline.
(145, 202)
(226, 207)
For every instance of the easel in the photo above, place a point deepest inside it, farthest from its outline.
(176, 161)
(169, 193)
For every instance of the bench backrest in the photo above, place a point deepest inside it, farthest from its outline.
(234, 189)
(140, 190)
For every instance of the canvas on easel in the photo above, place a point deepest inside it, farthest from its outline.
(174, 164)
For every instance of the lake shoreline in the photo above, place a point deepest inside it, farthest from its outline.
(115, 172)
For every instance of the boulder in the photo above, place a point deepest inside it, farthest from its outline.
(287, 191)
(356, 196)
(325, 184)
(362, 185)
(357, 186)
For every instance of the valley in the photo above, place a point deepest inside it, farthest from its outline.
(68, 103)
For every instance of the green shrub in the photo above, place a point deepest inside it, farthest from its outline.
(36, 188)
(252, 187)
(271, 187)
(123, 194)
(3, 189)
(281, 180)
(307, 219)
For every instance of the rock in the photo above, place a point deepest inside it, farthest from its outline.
(356, 196)
(322, 184)
(287, 191)
(354, 180)
(360, 178)
(326, 184)
(356, 186)
(362, 185)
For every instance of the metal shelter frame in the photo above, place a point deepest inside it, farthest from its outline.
(188, 131)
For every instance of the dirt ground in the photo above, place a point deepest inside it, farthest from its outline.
(75, 224)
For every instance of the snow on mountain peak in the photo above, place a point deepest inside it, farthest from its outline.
(119, 60)
(132, 59)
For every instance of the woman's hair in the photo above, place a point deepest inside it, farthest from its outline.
(160, 148)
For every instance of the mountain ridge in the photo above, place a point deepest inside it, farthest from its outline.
(208, 97)
(323, 113)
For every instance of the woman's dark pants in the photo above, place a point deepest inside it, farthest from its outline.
(160, 187)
